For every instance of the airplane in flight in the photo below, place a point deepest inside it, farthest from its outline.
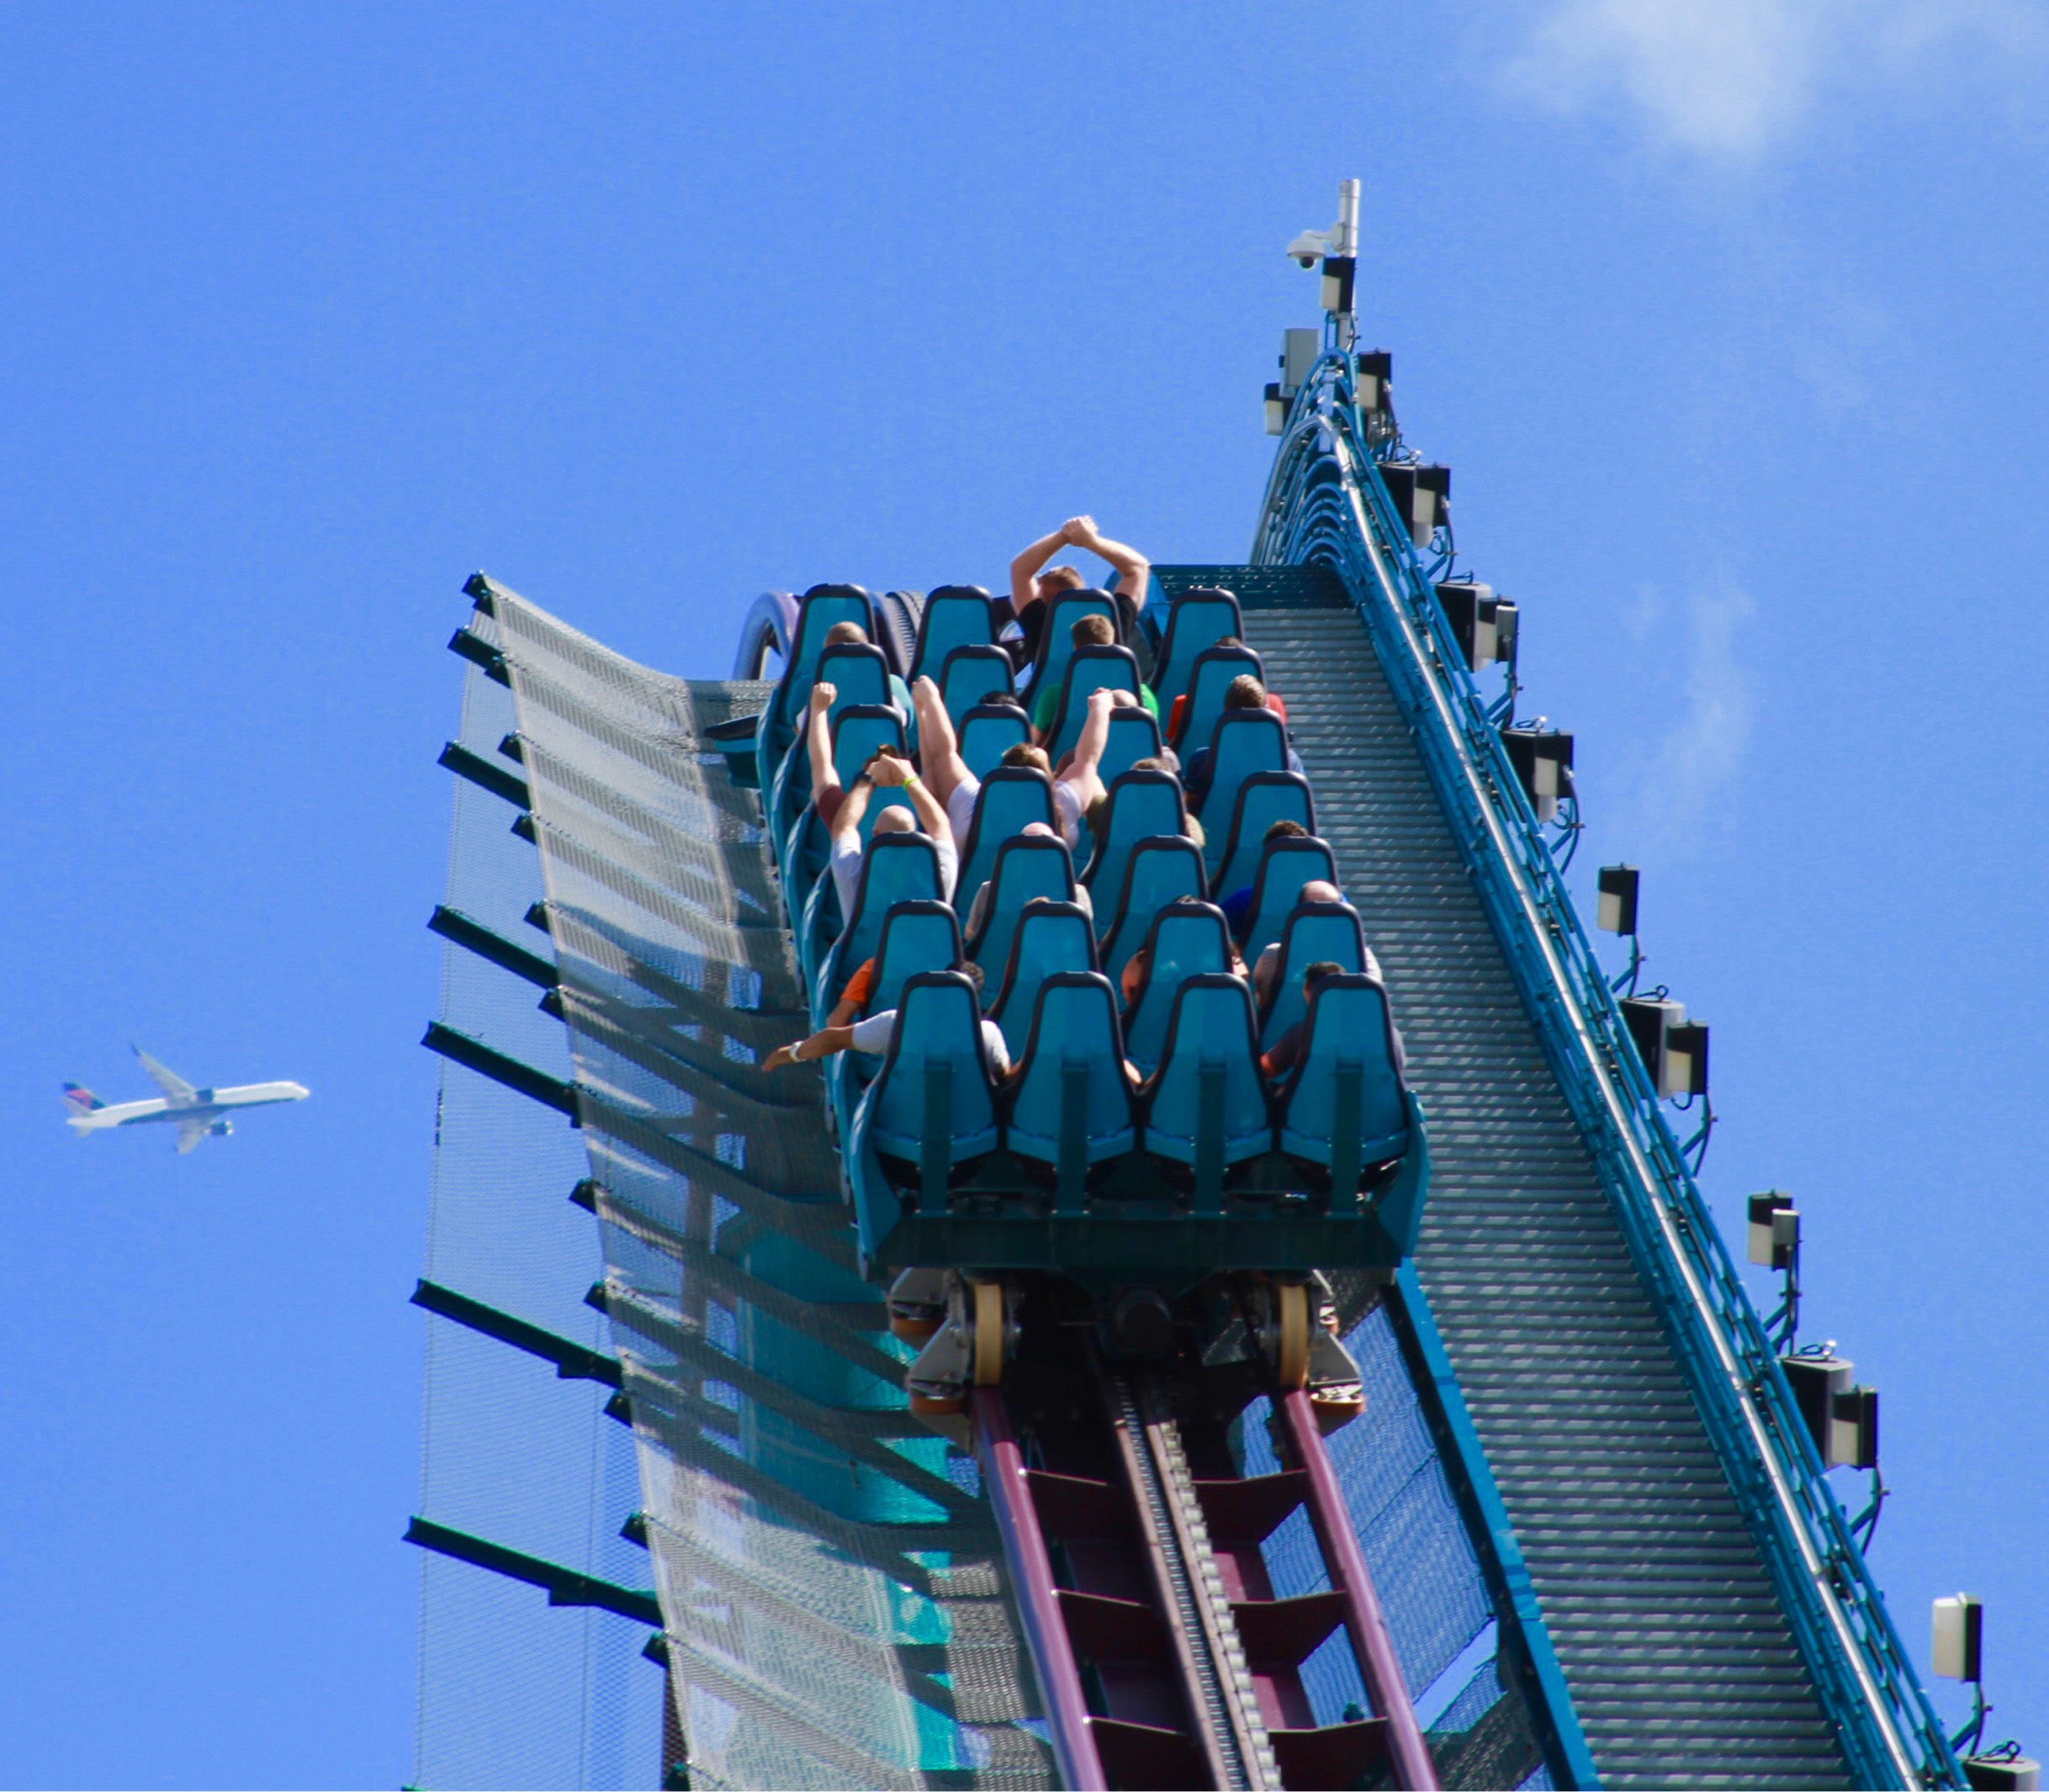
(195, 1112)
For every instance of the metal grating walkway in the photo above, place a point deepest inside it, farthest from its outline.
(1680, 1663)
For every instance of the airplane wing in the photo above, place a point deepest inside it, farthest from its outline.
(176, 1090)
(189, 1133)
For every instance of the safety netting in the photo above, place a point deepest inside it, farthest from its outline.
(512, 1691)
(828, 1577)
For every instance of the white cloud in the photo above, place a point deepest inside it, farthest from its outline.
(1733, 80)
(1700, 755)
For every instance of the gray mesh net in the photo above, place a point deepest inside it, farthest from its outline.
(828, 1577)
(512, 1693)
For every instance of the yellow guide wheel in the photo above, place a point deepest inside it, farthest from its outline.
(988, 1333)
(1292, 1310)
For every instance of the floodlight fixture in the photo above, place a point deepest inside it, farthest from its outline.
(2005, 1769)
(1841, 1417)
(1674, 1049)
(1685, 1058)
(1543, 760)
(1507, 630)
(1648, 1018)
(1853, 1429)
(1421, 495)
(1957, 1645)
(1376, 380)
(1616, 888)
(1474, 612)
(1432, 502)
(1339, 271)
(1300, 349)
(1774, 1229)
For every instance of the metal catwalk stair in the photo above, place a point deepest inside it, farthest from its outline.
(1678, 1658)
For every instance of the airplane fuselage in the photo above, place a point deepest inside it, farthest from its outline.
(208, 1105)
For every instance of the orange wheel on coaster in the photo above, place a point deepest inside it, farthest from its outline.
(1335, 1405)
(914, 1328)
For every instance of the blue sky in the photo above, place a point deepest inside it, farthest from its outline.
(1727, 316)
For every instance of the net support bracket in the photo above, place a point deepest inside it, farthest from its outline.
(550, 1091)
(563, 1586)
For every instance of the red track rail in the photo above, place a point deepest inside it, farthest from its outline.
(1131, 1686)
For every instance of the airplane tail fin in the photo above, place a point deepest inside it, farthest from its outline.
(80, 1099)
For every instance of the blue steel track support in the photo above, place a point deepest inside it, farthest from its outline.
(1327, 504)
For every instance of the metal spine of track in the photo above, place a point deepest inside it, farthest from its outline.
(1220, 1691)
(1713, 1615)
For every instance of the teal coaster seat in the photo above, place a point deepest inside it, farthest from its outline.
(1057, 639)
(1243, 743)
(1165, 869)
(856, 733)
(1209, 678)
(1069, 1102)
(896, 867)
(1051, 938)
(987, 732)
(917, 936)
(1315, 931)
(859, 678)
(968, 674)
(1012, 798)
(955, 617)
(1206, 1106)
(1140, 805)
(931, 1110)
(1134, 735)
(1089, 669)
(1197, 621)
(1344, 1106)
(1264, 799)
(1028, 867)
(1187, 939)
(817, 610)
(1285, 865)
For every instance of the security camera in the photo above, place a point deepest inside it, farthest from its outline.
(1310, 247)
